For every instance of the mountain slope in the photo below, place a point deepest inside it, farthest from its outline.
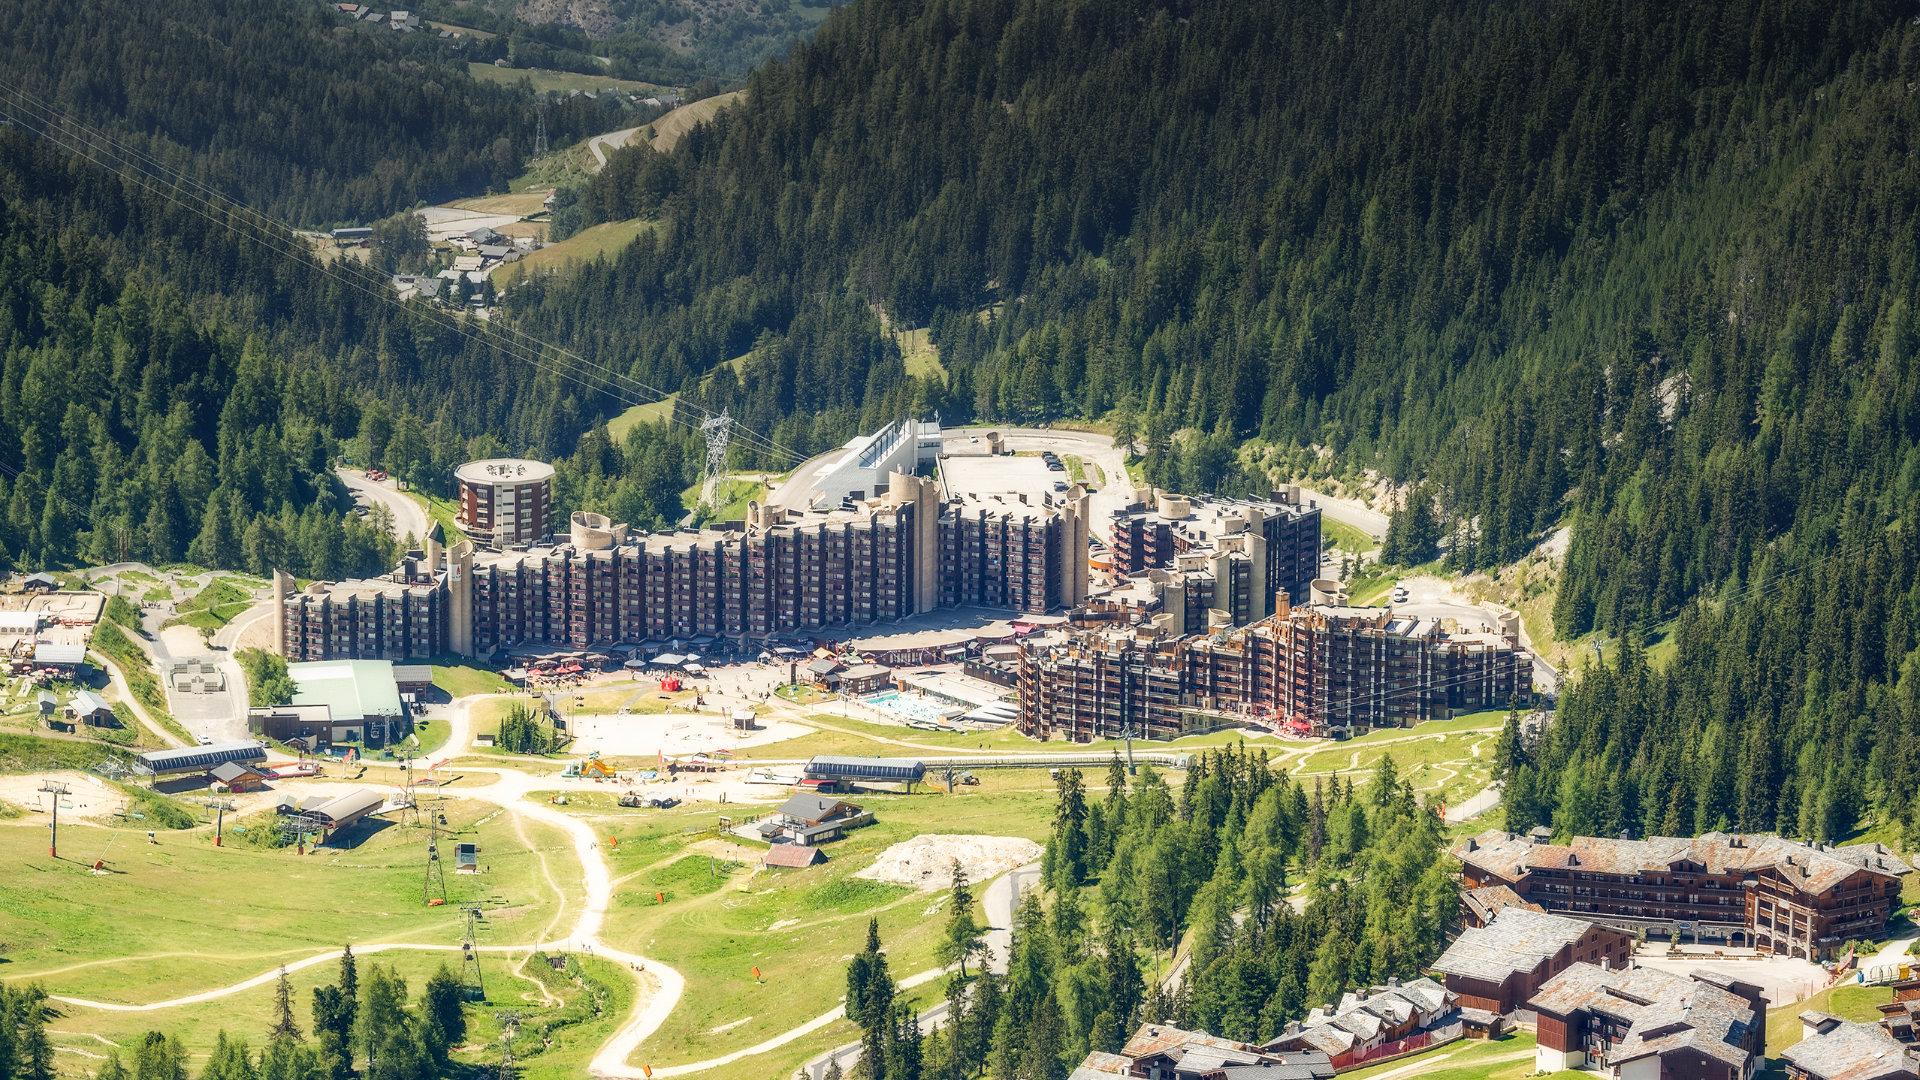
(1646, 267)
(285, 105)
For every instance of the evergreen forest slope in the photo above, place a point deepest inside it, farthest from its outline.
(171, 391)
(1641, 267)
(285, 105)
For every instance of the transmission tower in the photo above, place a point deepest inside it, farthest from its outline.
(509, 1027)
(540, 131)
(470, 958)
(436, 870)
(718, 431)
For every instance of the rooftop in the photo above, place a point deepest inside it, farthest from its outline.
(352, 690)
(1851, 1051)
(1662, 1011)
(1517, 940)
(1812, 869)
(504, 471)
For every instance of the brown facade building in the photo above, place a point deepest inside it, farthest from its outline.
(875, 560)
(1496, 968)
(1647, 1024)
(1312, 670)
(505, 501)
(390, 618)
(1193, 565)
(1777, 895)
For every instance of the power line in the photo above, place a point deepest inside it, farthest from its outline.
(81, 140)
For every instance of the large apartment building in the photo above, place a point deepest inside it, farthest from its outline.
(505, 501)
(903, 551)
(1197, 564)
(1317, 670)
(1777, 895)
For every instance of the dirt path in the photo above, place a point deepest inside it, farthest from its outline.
(123, 692)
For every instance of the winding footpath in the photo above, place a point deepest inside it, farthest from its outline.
(509, 792)
(654, 1004)
(661, 986)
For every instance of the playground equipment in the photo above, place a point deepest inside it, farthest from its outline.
(592, 766)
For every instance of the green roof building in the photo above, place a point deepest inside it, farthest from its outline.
(361, 696)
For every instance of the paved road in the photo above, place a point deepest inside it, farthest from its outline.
(1430, 597)
(612, 140)
(409, 517)
(1116, 494)
(1350, 512)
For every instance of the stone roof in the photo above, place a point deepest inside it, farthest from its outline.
(1489, 901)
(1852, 1051)
(1362, 1019)
(1517, 940)
(1663, 1011)
(1812, 869)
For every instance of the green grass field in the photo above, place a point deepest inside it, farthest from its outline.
(920, 354)
(594, 242)
(112, 642)
(219, 603)
(1848, 1002)
(798, 927)
(441, 511)
(181, 916)
(733, 496)
(666, 132)
(1345, 537)
(1467, 1059)
(462, 680)
(839, 735)
(546, 80)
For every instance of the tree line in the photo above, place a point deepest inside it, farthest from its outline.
(1222, 866)
(170, 390)
(1522, 254)
(280, 106)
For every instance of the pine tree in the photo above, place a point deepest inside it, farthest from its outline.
(284, 1025)
(962, 940)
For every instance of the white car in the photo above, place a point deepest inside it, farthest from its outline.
(1399, 596)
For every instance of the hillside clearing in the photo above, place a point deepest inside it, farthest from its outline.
(665, 133)
(597, 242)
(547, 79)
(520, 203)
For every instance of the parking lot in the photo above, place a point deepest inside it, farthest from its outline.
(1007, 476)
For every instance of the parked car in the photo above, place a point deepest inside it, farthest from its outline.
(376, 475)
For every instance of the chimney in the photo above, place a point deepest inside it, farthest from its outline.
(1472, 844)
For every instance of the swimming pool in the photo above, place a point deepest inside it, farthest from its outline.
(908, 706)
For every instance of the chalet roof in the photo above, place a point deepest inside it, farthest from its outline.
(1517, 940)
(1154, 1039)
(1663, 1011)
(1362, 1019)
(814, 808)
(1100, 1064)
(1852, 1051)
(793, 856)
(86, 702)
(1812, 869)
